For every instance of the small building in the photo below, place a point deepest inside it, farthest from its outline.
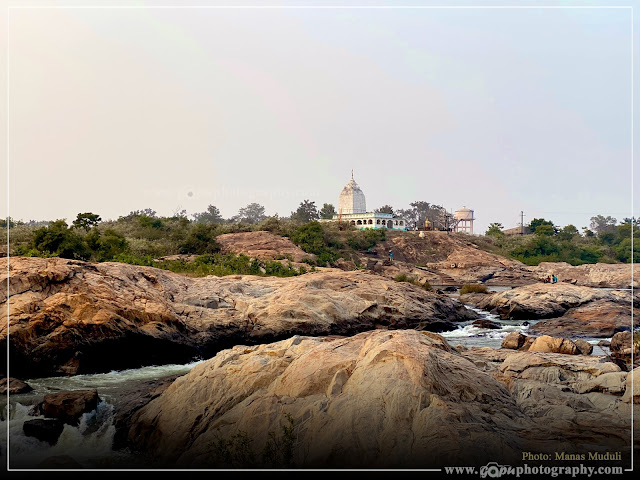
(352, 208)
(517, 231)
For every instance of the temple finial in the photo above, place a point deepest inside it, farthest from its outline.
(352, 174)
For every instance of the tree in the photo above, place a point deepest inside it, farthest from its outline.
(58, 239)
(568, 232)
(327, 211)
(210, 215)
(601, 224)
(545, 229)
(537, 222)
(421, 211)
(252, 213)
(385, 209)
(306, 212)
(495, 230)
(201, 240)
(86, 220)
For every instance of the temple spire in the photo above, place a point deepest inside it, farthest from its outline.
(352, 174)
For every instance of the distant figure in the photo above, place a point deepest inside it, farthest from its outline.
(554, 278)
(390, 255)
(548, 279)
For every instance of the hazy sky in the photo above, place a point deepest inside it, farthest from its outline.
(500, 110)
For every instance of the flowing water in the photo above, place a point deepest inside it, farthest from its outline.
(90, 443)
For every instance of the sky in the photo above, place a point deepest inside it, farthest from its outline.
(499, 110)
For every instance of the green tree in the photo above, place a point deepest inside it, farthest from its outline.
(327, 211)
(495, 230)
(545, 229)
(385, 209)
(568, 232)
(200, 240)
(306, 212)
(537, 222)
(210, 215)
(60, 240)
(252, 213)
(86, 220)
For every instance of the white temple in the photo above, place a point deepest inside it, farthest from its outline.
(352, 208)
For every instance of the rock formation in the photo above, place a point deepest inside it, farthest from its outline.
(262, 245)
(589, 275)
(69, 317)
(575, 310)
(381, 399)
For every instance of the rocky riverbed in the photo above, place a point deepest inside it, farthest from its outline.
(329, 369)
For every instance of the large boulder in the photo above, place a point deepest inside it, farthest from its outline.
(69, 317)
(262, 245)
(382, 399)
(632, 387)
(621, 348)
(547, 344)
(378, 399)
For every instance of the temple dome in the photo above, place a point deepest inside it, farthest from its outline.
(352, 199)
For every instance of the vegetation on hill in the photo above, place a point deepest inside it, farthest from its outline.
(606, 241)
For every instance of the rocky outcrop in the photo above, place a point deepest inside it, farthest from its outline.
(262, 245)
(68, 316)
(589, 275)
(13, 386)
(576, 311)
(381, 399)
(451, 259)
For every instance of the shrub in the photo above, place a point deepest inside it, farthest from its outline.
(403, 277)
(200, 240)
(473, 288)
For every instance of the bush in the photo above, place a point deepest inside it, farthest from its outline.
(403, 277)
(363, 240)
(200, 240)
(59, 240)
(473, 288)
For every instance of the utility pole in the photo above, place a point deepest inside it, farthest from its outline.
(521, 222)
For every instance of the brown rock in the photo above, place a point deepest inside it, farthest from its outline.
(585, 347)
(262, 245)
(398, 392)
(514, 341)
(486, 323)
(15, 386)
(590, 275)
(549, 344)
(69, 406)
(69, 317)
(632, 387)
(620, 348)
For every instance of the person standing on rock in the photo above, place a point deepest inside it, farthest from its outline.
(390, 256)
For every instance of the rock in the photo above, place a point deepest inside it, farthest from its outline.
(404, 393)
(620, 348)
(346, 265)
(585, 347)
(69, 406)
(514, 341)
(450, 289)
(632, 387)
(15, 386)
(262, 245)
(591, 275)
(549, 344)
(398, 392)
(612, 382)
(604, 343)
(59, 461)
(45, 430)
(575, 311)
(486, 323)
(69, 316)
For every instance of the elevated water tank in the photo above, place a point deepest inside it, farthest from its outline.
(464, 213)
